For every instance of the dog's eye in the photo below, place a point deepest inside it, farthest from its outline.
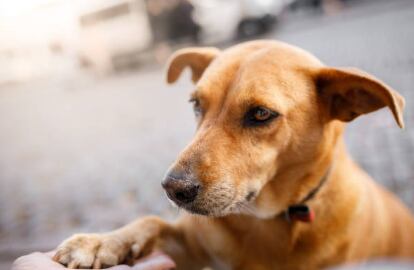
(259, 116)
(262, 114)
(196, 106)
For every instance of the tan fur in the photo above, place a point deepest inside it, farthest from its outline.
(356, 219)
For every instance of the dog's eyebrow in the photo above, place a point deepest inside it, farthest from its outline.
(260, 103)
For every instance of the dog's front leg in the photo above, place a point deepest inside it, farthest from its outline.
(123, 245)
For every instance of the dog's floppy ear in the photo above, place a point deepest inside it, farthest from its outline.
(197, 59)
(349, 92)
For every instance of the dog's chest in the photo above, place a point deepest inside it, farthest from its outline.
(257, 247)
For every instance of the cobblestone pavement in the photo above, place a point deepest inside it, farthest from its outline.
(88, 154)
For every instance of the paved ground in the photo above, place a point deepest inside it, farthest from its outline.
(88, 153)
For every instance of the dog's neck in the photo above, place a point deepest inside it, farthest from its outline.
(337, 200)
(301, 211)
(273, 200)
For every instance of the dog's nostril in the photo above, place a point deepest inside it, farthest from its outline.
(181, 191)
(187, 194)
(180, 196)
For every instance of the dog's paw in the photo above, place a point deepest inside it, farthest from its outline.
(92, 251)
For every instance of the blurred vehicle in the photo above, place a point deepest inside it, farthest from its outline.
(221, 19)
(172, 20)
(324, 6)
(113, 33)
(301, 4)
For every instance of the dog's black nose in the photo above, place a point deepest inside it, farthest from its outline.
(179, 189)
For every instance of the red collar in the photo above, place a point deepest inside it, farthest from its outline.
(301, 211)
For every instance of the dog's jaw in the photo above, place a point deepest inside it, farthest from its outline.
(237, 201)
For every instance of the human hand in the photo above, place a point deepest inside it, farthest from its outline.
(43, 261)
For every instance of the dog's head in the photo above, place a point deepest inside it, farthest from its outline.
(267, 113)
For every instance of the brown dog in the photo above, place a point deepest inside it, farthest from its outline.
(268, 155)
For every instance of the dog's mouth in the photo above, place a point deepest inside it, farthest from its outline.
(220, 207)
(203, 209)
(196, 210)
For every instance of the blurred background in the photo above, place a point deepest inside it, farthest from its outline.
(88, 125)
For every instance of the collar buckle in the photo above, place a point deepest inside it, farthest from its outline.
(300, 212)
